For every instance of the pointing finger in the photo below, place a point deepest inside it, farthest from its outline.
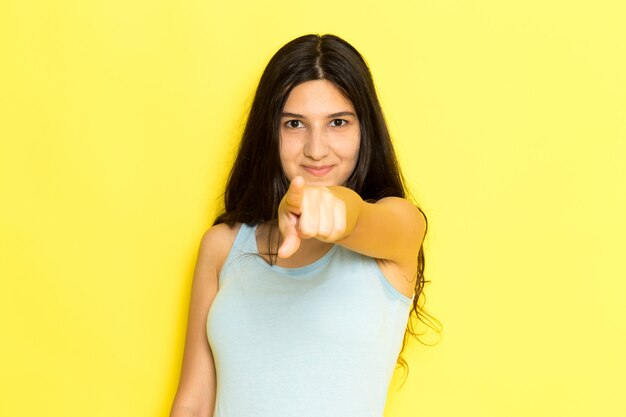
(291, 243)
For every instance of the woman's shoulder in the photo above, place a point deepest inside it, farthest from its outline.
(221, 231)
(217, 242)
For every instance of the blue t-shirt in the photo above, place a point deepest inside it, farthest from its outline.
(316, 341)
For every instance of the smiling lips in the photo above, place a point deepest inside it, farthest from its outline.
(318, 171)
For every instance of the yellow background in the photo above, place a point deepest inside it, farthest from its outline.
(118, 122)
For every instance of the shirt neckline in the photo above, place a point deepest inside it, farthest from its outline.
(294, 272)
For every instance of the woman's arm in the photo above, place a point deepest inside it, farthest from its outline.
(390, 229)
(197, 385)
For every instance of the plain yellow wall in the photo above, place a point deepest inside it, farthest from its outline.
(118, 121)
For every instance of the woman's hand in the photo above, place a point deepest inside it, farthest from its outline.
(309, 212)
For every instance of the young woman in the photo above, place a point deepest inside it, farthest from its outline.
(304, 284)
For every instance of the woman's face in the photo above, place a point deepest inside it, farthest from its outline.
(319, 134)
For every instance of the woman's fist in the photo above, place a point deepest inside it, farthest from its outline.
(309, 212)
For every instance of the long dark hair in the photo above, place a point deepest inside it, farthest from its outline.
(377, 175)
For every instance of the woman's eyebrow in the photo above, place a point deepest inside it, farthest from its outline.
(341, 113)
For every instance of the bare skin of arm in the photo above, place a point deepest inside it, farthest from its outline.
(391, 229)
(197, 385)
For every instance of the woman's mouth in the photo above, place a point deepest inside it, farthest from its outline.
(318, 171)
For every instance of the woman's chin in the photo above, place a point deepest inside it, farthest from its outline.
(320, 182)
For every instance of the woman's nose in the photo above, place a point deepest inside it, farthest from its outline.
(316, 146)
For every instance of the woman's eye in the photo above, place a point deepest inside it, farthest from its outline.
(341, 122)
(293, 123)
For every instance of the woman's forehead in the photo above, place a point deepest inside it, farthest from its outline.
(319, 98)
